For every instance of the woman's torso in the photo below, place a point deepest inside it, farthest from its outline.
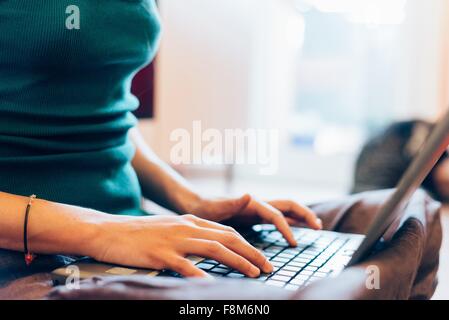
(65, 101)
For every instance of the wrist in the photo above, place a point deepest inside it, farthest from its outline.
(97, 233)
(72, 231)
(186, 201)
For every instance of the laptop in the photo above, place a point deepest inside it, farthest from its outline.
(320, 254)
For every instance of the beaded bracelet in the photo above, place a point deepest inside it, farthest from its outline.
(29, 257)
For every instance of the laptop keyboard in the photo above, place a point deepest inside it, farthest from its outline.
(318, 255)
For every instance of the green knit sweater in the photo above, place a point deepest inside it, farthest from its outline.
(65, 101)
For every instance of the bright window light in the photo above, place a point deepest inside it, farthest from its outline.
(369, 12)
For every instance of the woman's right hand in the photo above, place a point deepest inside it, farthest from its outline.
(164, 242)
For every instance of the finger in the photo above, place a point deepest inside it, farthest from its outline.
(211, 225)
(274, 216)
(299, 212)
(236, 243)
(226, 208)
(216, 251)
(294, 222)
(186, 268)
(233, 205)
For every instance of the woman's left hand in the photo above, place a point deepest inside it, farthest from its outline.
(247, 210)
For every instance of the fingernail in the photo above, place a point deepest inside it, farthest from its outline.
(254, 272)
(267, 267)
(294, 243)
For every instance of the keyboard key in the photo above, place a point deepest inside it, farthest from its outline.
(302, 260)
(308, 240)
(286, 255)
(306, 273)
(280, 278)
(275, 234)
(326, 241)
(264, 228)
(296, 264)
(281, 243)
(275, 283)
(313, 252)
(275, 248)
(319, 246)
(280, 259)
(311, 268)
(325, 255)
(301, 277)
(294, 251)
(329, 235)
(235, 275)
(275, 262)
(205, 266)
(286, 273)
(321, 261)
(291, 268)
(306, 256)
(316, 263)
(220, 270)
(217, 275)
(311, 233)
(297, 282)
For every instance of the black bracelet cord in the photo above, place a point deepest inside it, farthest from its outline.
(29, 257)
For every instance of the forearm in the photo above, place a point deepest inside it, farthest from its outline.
(159, 182)
(52, 228)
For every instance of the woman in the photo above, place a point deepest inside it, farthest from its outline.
(67, 135)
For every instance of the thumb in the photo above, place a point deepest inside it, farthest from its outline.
(406, 245)
(231, 206)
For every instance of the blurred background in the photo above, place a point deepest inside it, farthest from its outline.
(327, 73)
